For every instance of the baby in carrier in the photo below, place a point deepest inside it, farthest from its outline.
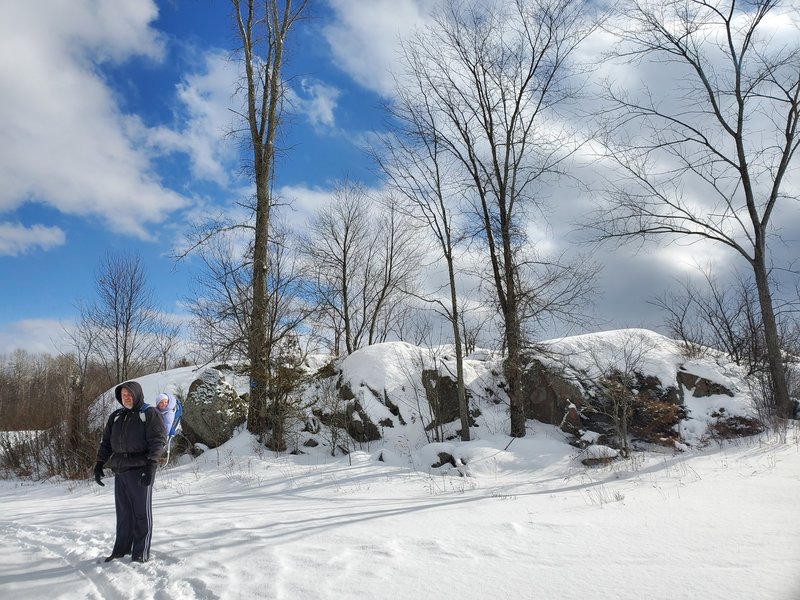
(167, 406)
(171, 410)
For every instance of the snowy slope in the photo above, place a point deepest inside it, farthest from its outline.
(514, 518)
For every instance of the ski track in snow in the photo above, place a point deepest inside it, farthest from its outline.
(75, 552)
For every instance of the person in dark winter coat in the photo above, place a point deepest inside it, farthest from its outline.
(133, 440)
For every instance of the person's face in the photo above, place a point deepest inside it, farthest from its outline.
(162, 404)
(127, 398)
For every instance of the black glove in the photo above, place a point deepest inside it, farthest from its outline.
(98, 474)
(148, 474)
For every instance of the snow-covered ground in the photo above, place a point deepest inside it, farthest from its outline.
(514, 518)
(526, 522)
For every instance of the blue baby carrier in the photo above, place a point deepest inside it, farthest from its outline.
(178, 414)
(173, 430)
(176, 421)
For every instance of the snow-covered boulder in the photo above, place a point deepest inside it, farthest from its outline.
(212, 409)
(348, 414)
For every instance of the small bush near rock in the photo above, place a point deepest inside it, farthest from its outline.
(734, 426)
(654, 420)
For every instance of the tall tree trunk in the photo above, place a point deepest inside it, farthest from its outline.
(513, 366)
(781, 401)
(264, 93)
(259, 355)
(347, 326)
(463, 407)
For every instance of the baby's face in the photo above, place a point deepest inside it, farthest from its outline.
(162, 404)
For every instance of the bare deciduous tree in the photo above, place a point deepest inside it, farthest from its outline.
(220, 303)
(263, 28)
(491, 75)
(363, 258)
(222, 311)
(614, 372)
(471, 324)
(166, 338)
(416, 166)
(83, 387)
(121, 318)
(710, 157)
(715, 316)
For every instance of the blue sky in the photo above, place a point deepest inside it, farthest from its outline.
(112, 122)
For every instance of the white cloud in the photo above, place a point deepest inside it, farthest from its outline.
(305, 202)
(16, 239)
(364, 37)
(206, 119)
(33, 335)
(317, 101)
(63, 138)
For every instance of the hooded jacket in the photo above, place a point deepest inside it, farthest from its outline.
(128, 440)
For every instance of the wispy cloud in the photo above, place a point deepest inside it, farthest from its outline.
(16, 239)
(33, 335)
(204, 119)
(317, 101)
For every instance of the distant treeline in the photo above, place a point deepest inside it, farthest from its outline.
(35, 390)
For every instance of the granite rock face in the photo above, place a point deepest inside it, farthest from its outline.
(212, 409)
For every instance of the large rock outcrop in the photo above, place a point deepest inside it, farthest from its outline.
(579, 404)
(700, 386)
(598, 387)
(212, 409)
(348, 414)
(549, 397)
(441, 392)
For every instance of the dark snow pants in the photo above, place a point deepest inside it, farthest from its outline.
(134, 515)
